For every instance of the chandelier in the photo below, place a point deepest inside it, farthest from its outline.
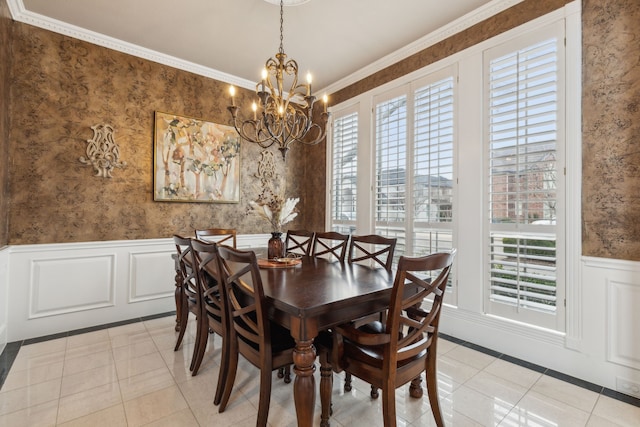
(281, 117)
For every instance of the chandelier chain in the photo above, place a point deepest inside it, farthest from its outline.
(281, 26)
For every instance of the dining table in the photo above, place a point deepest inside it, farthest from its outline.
(312, 297)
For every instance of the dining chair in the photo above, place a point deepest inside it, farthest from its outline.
(406, 347)
(298, 242)
(263, 343)
(330, 245)
(211, 316)
(221, 236)
(373, 251)
(187, 292)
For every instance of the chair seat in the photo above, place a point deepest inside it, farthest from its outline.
(281, 339)
(374, 355)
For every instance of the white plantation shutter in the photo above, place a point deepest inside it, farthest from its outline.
(344, 172)
(391, 169)
(432, 182)
(524, 89)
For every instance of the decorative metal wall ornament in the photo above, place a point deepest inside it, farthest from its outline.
(103, 152)
(281, 117)
(266, 168)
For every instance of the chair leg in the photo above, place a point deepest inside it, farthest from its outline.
(201, 344)
(287, 374)
(374, 392)
(415, 389)
(182, 325)
(389, 406)
(223, 372)
(432, 388)
(230, 378)
(326, 386)
(265, 396)
(347, 382)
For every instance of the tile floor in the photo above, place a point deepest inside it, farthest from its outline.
(129, 375)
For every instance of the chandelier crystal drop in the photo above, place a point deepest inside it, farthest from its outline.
(281, 117)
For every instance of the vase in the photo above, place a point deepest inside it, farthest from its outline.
(275, 247)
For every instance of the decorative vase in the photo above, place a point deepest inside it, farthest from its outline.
(275, 247)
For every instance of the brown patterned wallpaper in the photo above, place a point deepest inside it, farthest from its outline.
(611, 129)
(5, 69)
(61, 87)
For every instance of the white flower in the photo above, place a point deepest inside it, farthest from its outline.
(275, 210)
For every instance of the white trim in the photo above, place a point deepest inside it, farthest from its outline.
(20, 14)
(573, 184)
(470, 19)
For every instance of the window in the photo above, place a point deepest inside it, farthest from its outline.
(469, 153)
(414, 164)
(432, 181)
(524, 145)
(391, 170)
(344, 171)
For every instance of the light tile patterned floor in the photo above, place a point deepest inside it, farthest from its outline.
(130, 376)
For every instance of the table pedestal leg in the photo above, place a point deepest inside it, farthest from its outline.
(304, 356)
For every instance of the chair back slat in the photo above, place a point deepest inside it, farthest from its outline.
(186, 272)
(299, 242)
(206, 267)
(221, 236)
(330, 245)
(412, 333)
(374, 249)
(244, 294)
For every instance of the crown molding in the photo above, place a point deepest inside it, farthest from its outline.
(470, 19)
(20, 14)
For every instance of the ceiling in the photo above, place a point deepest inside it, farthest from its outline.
(231, 39)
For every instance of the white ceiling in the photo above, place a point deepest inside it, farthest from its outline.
(231, 39)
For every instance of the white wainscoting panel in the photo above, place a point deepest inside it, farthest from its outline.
(89, 283)
(623, 315)
(152, 276)
(52, 288)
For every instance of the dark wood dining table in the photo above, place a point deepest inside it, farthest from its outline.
(314, 296)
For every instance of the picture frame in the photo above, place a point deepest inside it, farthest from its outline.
(195, 160)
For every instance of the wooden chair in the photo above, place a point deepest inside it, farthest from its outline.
(187, 292)
(374, 251)
(405, 349)
(263, 343)
(211, 306)
(221, 236)
(298, 242)
(330, 244)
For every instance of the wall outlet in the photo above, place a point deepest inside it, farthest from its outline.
(629, 387)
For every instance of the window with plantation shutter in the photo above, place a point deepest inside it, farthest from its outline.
(524, 89)
(432, 182)
(391, 169)
(344, 172)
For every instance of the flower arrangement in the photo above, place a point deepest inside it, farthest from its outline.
(275, 208)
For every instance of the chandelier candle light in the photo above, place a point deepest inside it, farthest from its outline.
(281, 117)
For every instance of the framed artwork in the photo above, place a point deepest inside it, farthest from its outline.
(195, 160)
